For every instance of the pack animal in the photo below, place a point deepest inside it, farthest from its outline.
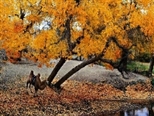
(31, 80)
(36, 82)
(39, 85)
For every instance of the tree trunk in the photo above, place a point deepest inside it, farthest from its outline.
(151, 65)
(122, 113)
(74, 70)
(56, 69)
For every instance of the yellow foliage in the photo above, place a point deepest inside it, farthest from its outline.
(99, 19)
(18, 26)
(145, 3)
(34, 18)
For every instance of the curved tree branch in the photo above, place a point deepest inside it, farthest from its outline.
(83, 64)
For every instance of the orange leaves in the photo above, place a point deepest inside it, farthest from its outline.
(43, 40)
(113, 53)
(75, 36)
(34, 18)
(144, 3)
(61, 10)
(141, 88)
(39, 43)
(89, 46)
(147, 25)
(144, 18)
(98, 19)
(118, 54)
(18, 26)
(90, 91)
(13, 56)
(108, 66)
(46, 46)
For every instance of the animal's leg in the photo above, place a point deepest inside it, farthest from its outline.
(27, 84)
(30, 88)
(35, 94)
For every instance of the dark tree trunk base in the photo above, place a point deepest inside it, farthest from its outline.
(57, 89)
(151, 65)
(55, 70)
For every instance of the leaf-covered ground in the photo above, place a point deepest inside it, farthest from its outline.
(75, 99)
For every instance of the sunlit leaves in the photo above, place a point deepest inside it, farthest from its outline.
(18, 26)
(46, 46)
(94, 20)
(144, 3)
(34, 18)
(113, 53)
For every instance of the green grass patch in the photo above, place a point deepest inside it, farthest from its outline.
(137, 66)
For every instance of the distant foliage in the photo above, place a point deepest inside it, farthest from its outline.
(143, 57)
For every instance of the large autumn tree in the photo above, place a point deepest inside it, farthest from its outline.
(108, 31)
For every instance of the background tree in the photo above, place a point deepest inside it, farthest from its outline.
(144, 31)
(96, 30)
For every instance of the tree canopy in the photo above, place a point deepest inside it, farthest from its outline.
(108, 30)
